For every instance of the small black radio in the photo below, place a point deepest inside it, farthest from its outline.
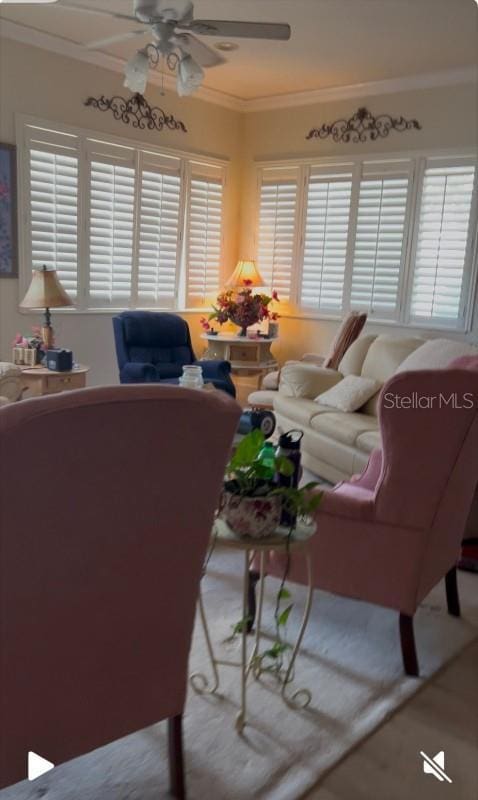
(59, 360)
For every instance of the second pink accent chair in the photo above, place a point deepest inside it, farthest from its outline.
(107, 499)
(389, 535)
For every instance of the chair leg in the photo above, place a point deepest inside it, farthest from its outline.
(407, 639)
(452, 597)
(176, 759)
(251, 599)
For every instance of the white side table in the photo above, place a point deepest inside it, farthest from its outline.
(247, 356)
(278, 543)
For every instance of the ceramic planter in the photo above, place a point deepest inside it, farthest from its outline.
(256, 517)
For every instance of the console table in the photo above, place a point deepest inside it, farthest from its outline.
(248, 356)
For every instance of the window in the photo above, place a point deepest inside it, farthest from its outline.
(159, 231)
(111, 197)
(380, 238)
(442, 242)
(53, 223)
(277, 225)
(326, 236)
(125, 227)
(393, 237)
(205, 235)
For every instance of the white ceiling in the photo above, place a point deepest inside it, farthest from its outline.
(334, 42)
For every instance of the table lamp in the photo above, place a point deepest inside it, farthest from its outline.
(245, 274)
(46, 292)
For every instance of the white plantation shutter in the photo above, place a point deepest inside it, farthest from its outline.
(442, 243)
(325, 240)
(204, 234)
(53, 204)
(159, 231)
(277, 229)
(111, 226)
(380, 240)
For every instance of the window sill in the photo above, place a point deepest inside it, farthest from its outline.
(296, 315)
(102, 311)
(389, 323)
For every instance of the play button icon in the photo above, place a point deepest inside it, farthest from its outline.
(37, 766)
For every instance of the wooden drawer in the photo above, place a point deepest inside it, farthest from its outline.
(247, 353)
(62, 383)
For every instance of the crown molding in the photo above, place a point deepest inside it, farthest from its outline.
(429, 80)
(70, 49)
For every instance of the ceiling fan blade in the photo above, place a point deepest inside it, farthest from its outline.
(246, 30)
(97, 11)
(120, 37)
(201, 52)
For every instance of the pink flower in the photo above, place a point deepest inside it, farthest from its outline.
(275, 296)
(205, 324)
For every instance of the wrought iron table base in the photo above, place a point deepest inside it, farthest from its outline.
(199, 681)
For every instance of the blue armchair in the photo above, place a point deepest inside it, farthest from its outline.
(153, 347)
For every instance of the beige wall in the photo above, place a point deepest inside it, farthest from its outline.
(449, 119)
(52, 87)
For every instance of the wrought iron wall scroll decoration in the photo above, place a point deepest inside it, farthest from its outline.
(136, 112)
(363, 126)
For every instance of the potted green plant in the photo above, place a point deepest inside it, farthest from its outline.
(249, 504)
(252, 502)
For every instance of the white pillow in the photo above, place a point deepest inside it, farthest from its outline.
(350, 393)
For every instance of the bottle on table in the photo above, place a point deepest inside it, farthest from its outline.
(289, 447)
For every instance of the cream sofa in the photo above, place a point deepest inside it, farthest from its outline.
(337, 444)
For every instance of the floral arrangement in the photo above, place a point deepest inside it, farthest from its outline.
(34, 342)
(242, 308)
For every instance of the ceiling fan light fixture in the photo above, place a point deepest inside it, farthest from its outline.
(190, 76)
(136, 72)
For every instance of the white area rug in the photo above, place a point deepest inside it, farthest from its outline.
(350, 660)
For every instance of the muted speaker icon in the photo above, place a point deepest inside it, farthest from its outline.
(435, 766)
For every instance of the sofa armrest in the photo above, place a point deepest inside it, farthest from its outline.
(137, 372)
(306, 380)
(215, 369)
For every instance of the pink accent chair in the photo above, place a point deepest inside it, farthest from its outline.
(389, 535)
(107, 499)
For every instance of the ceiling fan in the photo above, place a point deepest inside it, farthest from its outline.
(172, 26)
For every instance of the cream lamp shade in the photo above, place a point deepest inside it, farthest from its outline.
(46, 292)
(245, 274)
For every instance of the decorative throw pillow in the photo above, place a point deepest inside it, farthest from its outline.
(349, 394)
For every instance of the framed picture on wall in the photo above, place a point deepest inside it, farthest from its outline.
(8, 212)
